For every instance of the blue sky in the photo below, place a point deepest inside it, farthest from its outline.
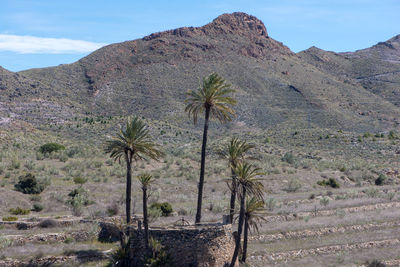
(40, 33)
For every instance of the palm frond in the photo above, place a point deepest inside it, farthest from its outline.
(248, 177)
(212, 93)
(255, 213)
(133, 140)
(145, 180)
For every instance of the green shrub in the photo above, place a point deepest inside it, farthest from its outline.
(330, 182)
(293, 185)
(324, 201)
(165, 208)
(78, 197)
(72, 151)
(37, 207)
(392, 135)
(10, 219)
(288, 157)
(15, 164)
(380, 180)
(63, 157)
(19, 211)
(80, 180)
(112, 209)
(367, 134)
(28, 184)
(51, 147)
(154, 214)
(48, 223)
(158, 257)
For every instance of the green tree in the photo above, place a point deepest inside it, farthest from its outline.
(253, 216)
(212, 98)
(145, 182)
(235, 152)
(132, 143)
(247, 183)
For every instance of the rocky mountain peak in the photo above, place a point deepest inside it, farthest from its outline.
(238, 23)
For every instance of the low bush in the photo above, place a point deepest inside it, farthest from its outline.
(330, 182)
(392, 135)
(154, 214)
(182, 212)
(293, 185)
(10, 219)
(80, 180)
(165, 208)
(51, 147)
(158, 256)
(375, 263)
(19, 211)
(79, 197)
(37, 207)
(380, 180)
(28, 184)
(112, 209)
(48, 223)
(288, 157)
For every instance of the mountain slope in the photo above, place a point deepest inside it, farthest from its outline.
(376, 68)
(150, 76)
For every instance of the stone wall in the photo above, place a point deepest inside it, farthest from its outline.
(200, 246)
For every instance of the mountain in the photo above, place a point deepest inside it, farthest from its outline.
(376, 69)
(275, 87)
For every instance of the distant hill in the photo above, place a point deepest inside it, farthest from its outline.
(377, 68)
(275, 87)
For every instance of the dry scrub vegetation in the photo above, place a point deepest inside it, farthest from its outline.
(299, 206)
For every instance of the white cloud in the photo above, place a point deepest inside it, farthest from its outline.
(38, 45)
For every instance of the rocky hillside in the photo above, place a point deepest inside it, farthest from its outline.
(376, 69)
(275, 86)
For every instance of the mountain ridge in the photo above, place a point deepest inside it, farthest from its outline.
(149, 76)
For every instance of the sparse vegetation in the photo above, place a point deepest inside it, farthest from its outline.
(50, 148)
(10, 219)
(330, 182)
(28, 184)
(19, 211)
(165, 208)
(350, 149)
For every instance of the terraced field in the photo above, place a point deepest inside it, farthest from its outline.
(308, 223)
(351, 233)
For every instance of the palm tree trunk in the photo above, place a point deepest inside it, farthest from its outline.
(128, 187)
(233, 197)
(202, 166)
(240, 227)
(245, 238)
(145, 220)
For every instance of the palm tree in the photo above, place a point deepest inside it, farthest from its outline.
(247, 182)
(253, 216)
(235, 153)
(132, 143)
(211, 97)
(145, 181)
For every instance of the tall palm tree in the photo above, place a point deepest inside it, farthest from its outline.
(212, 98)
(254, 214)
(145, 181)
(247, 182)
(132, 143)
(235, 153)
